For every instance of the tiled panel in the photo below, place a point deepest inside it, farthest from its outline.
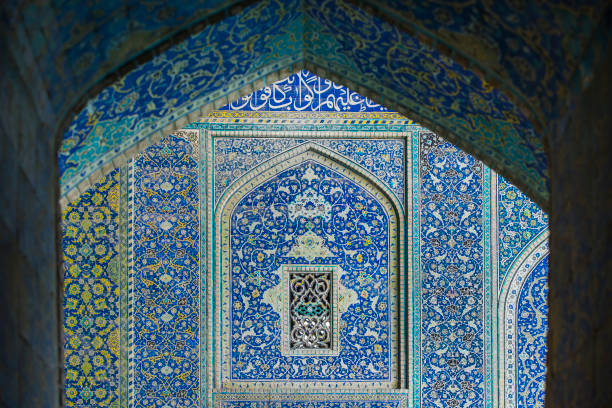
(384, 158)
(532, 326)
(164, 275)
(520, 221)
(92, 269)
(452, 251)
(306, 212)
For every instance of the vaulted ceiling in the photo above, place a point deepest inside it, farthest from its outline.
(491, 77)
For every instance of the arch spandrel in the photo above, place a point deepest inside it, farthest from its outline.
(310, 161)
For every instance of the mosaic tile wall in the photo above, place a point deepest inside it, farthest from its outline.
(164, 274)
(450, 195)
(383, 158)
(274, 225)
(532, 324)
(272, 35)
(93, 272)
(453, 223)
(520, 221)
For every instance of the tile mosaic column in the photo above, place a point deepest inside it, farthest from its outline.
(92, 272)
(164, 276)
(452, 269)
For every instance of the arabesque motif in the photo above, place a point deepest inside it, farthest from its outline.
(452, 275)
(164, 274)
(531, 330)
(265, 225)
(92, 264)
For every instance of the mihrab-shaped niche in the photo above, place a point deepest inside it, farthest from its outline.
(309, 260)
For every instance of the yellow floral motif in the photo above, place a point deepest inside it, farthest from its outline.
(90, 244)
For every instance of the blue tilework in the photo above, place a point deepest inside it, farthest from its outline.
(520, 221)
(305, 91)
(434, 88)
(94, 32)
(452, 269)
(534, 46)
(337, 37)
(91, 263)
(149, 97)
(278, 403)
(165, 294)
(264, 229)
(384, 158)
(532, 326)
(500, 30)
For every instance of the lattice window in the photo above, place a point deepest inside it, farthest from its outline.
(310, 310)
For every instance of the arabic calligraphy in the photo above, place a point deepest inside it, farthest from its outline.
(305, 91)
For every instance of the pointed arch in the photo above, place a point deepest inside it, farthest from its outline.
(507, 310)
(222, 281)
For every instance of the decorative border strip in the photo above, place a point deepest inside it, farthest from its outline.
(487, 307)
(401, 397)
(227, 116)
(205, 394)
(415, 282)
(130, 280)
(123, 286)
(522, 266)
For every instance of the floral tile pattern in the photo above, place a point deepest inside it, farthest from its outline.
(235, 156)
(164, 274)
(266, 227)
(532, 327)
(452, 244)
(306, 212)
(92, 267)
(520, 221)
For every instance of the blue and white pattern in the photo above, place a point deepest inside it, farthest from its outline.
(532, 326)
(520, 221)
(452, 275)
(384, 158)
(265, 230)
(341, 39)
(305, 92)
(292, 219)
(164, 277)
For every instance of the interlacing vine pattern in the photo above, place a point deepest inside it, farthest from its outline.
(452, 269)
(532, 326)
(310, 214)
(91, 265)
(165, 278)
